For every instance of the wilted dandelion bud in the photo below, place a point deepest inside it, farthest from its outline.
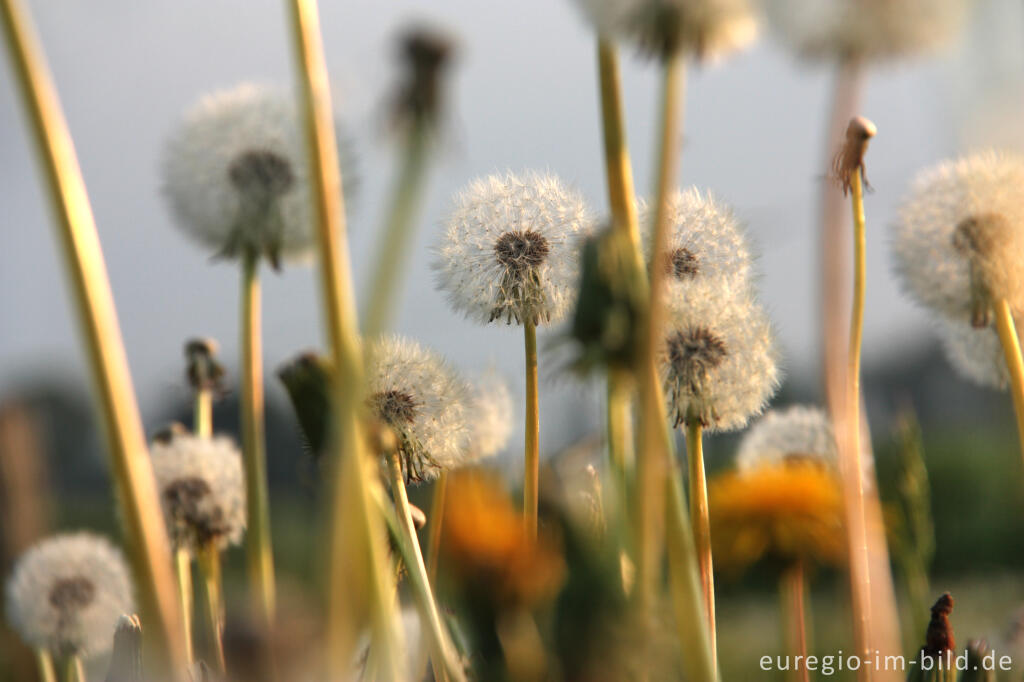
(202, 490)
(203, 370)
(705, 28)
(865, 29)
(66, 593)
(798, 434)
(510, 248)
(976, 354)
(959, 243)
(415, 393)
(717, 360)
(490, 415)
(235, 175)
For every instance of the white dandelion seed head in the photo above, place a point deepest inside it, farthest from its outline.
(202, 490)
(707, 28)
(706, 243)
(718, 359)
(976, 354)
(510, 248)
(417, 394)
(865, 29)
(929, 246)
(490, 414)
(797, 433)
(236, 178)
(66, 593)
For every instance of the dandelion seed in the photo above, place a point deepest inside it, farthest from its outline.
(490, 414)
(510, 248)
(202, 490)
(66, 593)
(413, 391)
(974, 353)
(800, 433)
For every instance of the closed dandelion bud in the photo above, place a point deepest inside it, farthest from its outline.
(490, 415)
(307, 379)
(126, 658)
(797, 434)
(705, 28)
(510, 249)
(976, 354)
(415, 393)
(717, 360)
(958, 243)
(202, 490)
(66, 594)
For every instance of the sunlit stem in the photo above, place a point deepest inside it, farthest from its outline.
(203, 413)
(531, 477)
(213, 604)
(44, 663)
(1014, 365)
(792, 589)
(701, 521)
(258, 551)
(436, 524)
(183, 572)
(70, 669)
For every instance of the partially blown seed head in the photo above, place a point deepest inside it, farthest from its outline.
(510, 248)
(66, 594)
(800, 433)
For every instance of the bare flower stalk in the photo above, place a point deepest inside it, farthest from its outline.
(1014, 364)
(792, 590)
(436, 522)
(360, 587)
(213, 604)
(144, 526)
(701, 521)
(45, 664)
(531, 480)
(183, 574)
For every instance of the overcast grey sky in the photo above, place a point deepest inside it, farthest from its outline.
(524, 97)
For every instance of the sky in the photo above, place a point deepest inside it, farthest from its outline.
(524, 96)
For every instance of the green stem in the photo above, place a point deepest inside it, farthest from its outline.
(620, 436)
(792, 589)
(531, 478)
(183, 572)
(436, 522)
(1014, 365)
(259, 554)
(203, 413)
(210, 570)
(44, 661)
(701, 520)
(393, 244)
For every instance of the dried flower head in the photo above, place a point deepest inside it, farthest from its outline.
(705, 28)
(490, 414)
(717, 360)
(706, 243)
(800, 433)
(235, 175)
(202, 368)
(976, 354)
(202, 490)
(414, 392)
(850, 157)
(67, 592)
(425, 55)
(865, 29)
(510, 248)
(777, 512)
(959, 242)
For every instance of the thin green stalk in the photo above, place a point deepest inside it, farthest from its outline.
(620, 436)
(393, 244)
(101, 335)
(446, 667)
(436, 523)
(44, 660)
(792, 589)
(213, 604)
(701, 521)
(1014, 365)
(360, 585)
(183, 573)
(258, 550)
(531, 478)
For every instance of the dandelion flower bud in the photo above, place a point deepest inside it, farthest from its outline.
(800, 433)
(235, 175)
(957, 246)
(66, 594)
(490, 415)
(706, 28)
(865, 29)
(717, 360)
(706, 243)
(976, 354)
(416, 394)
(202, 490)
(510, 248)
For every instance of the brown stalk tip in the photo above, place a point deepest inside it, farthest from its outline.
(939, 637)
(203, 371)
(850, 157)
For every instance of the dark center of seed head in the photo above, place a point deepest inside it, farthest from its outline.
(682, 264)
(75, 592)
(520, 250)
(261, 173)
(978, 234)
(697, 347)
(185, 497)
(395, 407)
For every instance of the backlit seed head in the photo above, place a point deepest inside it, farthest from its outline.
(66, 594)
(800, 433)
(975, 353)
(510, 248)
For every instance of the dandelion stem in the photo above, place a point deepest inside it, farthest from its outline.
(792, 589)
(360, 586)
(90, 288)
(71, 670)
(183, 572)
(436, 523)
(45, 663)
(209, 568)
(531, 479)
(1014, 365)
(258, 550)
(701, 521)
(203, 413)
(619, 434)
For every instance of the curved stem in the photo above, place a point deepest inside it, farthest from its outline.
(1014, 365)
(531, 479)
(701, 521)
(258, 551)
(209, 568)
(792, 589)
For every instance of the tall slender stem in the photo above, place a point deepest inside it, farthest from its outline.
(183, 572)
(436, 523)
(1014, 365)
(213, 604)
(101, 336)
(701, 521)
(792, 589)
(44, 661)
(71, 670)
(531, 480)
(620, 452)
(258, 550)
(203, 413)
(360, 584)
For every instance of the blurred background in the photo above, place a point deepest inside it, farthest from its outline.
(523, 96)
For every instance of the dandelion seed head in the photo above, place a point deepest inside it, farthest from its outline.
(976, 354)
(510, 248)
(420, 397)
(957, 244)
(490, 414)
(202, 490)
(800, 433)
(66, 593)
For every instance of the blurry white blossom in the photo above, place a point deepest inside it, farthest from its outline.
(799, 432)
(490, 414)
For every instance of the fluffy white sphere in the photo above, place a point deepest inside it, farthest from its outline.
(800, 432)
(976, 354)
(490, 414)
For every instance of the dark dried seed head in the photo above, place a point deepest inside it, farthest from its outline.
(682, 264)
(395, 408)
(261, 173)
(696, 348)
(521, 250)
